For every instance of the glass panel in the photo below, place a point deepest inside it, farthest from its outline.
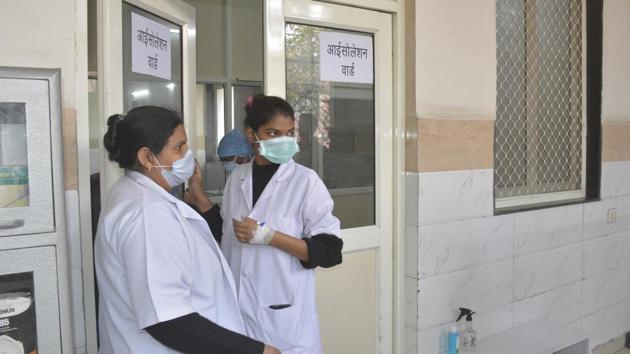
(214, 174)
(336, 126)
(18, 330)
(142, 89)
(14, 190)
(217, 125)
(239, 99)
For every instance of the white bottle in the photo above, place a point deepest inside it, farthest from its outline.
(468, 337)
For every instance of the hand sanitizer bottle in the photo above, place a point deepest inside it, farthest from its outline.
(453, 340)
(468, 335)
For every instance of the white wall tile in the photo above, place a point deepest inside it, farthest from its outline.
(562, 305)
(623, 212)
(606, 290)
(411, 198)
(411, 251)
(606, 254)
(607, 324)
(455, 195)
(547, 229)
(488, 323)
(433, 340)
(615, 181)
(596, 217)
(460, 245)
(481, 289)
(543, 272)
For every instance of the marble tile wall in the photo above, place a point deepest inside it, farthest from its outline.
(567, 263)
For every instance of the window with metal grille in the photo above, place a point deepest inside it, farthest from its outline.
(539, 129)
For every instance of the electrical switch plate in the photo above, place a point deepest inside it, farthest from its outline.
(612, 215)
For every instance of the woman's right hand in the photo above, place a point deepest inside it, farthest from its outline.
(271, 350)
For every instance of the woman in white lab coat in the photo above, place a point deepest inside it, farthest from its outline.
(164, 285)
(278, 226)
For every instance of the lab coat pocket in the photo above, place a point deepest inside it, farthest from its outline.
(282, 325)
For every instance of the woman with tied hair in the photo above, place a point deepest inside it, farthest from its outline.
(164, 285)
(278, 226)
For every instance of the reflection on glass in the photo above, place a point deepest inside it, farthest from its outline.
(13, 156)
(336, 127)
(141, 89)
(240, 93)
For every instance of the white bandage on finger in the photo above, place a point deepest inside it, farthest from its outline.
(263, 235)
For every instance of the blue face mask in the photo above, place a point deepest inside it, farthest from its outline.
(278, 150)
(229, 166)
(181, 171)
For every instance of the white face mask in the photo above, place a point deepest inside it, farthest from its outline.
(181, 171)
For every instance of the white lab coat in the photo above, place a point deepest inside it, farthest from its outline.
(156, 260)
(297, 203)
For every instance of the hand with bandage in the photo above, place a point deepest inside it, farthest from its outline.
(252, 232)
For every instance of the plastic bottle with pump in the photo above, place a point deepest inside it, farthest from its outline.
(468, 340)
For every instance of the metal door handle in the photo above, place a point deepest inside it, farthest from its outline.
(11, 224)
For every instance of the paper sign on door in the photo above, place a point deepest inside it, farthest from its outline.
(346, 57)
(150, 47)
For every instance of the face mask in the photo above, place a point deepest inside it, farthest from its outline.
(181, 171)
(229, 166)
(278, 150)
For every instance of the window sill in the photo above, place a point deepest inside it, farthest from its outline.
(546, 205)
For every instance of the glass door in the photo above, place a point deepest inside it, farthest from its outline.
(333, 63)
(147, 57)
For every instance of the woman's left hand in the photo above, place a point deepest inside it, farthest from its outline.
(195, 183)
(195, 194)
(245, 229)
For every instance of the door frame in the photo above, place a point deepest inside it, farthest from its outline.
(391, 279)
(110, 101)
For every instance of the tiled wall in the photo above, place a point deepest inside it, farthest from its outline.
(565, 263)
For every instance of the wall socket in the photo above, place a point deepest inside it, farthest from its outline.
(612, 215)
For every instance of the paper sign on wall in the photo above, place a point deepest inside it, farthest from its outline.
(150, 47)
(346, 57)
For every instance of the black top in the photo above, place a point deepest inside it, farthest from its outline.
(195, 334)
(261, 175)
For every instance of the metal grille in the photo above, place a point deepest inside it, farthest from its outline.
(538, 129)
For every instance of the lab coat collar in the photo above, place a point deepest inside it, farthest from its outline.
(145, 181)
(284, 172)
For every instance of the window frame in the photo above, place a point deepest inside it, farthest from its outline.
(590, 79)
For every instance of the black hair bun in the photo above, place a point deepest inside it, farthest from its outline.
(110, 139)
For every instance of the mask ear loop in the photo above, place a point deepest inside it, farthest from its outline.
(159, 163)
